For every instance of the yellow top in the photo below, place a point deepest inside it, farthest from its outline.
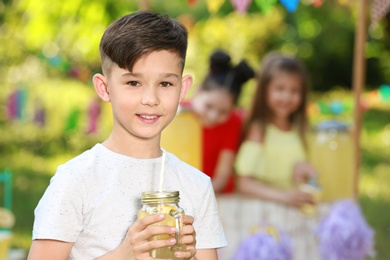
(271, 162)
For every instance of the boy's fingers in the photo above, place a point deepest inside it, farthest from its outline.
(189, 230)
(146, 221)
(188, 220)
(153, 244)
(188, 240)
(186, 254)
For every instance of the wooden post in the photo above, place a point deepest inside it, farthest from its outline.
(144, 5)
(358, 82)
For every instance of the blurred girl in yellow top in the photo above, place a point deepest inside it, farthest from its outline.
(271, 162)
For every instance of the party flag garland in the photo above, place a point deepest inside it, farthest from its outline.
(214, 5)
(241, 6)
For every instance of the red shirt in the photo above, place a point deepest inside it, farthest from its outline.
(221, 137)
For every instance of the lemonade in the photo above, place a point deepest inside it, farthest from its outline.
(331, 153)
(315, 191)
(164, 203)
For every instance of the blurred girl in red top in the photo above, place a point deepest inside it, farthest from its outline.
(214, 104)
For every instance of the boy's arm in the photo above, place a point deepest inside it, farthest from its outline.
(42, 249)
(206, 254)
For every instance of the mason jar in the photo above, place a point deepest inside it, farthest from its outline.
(331, 153)
(167, 203)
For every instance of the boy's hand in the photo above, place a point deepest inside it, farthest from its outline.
(189, 238)
(137, 245)
(302, 172)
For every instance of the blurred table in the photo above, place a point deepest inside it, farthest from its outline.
(242, 214)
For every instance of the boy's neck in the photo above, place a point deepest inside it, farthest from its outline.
(136, 148)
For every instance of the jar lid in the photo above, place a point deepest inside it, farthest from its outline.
(332, 124)
(156, 195)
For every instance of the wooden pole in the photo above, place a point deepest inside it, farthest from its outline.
(358, 82)
(144, 5)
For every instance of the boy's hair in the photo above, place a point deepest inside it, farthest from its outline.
(222, 75)
(273, 64)
(130, 37)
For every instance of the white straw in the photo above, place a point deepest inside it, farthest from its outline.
(162, 171)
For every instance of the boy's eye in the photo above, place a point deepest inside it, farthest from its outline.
(134, 83)
(165, 84)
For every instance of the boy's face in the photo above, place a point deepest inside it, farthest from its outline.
(145, 100)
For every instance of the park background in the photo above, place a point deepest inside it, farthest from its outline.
(49, 51)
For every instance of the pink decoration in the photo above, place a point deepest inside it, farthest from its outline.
(94, 113)
(12, 105)
(241, 6)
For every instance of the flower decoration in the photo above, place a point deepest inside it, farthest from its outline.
(344, 234)
(266, 243)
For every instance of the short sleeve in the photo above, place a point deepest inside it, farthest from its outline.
(249, 161)
(59, 212)
(209, 230)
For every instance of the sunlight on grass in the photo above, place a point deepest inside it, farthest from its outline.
(20, 240)
(376, 185)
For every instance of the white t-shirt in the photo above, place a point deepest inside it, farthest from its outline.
(94, 198)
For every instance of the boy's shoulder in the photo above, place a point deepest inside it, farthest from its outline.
(82, 162)
(183, 167)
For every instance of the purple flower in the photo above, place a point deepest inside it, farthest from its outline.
(344, 234)
(265, 245)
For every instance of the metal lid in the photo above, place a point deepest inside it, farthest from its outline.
(151, 196)
(332, 124)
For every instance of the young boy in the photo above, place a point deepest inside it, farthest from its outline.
(89, 210)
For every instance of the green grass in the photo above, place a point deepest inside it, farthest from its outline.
(375, 177)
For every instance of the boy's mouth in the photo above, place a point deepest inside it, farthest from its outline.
(148, 117)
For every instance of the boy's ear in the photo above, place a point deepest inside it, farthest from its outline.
(100, 85)
(186, 83)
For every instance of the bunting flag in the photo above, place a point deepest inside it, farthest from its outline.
(192, 2)
(379, 9)
(214, 5)
(15, 104)
(94, 113)
(241, 6)
(39, 114)
(265, 5)
(318, 3)
(72, 120)
(12, 106)
(291, 5)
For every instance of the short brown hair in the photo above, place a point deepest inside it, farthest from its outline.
(130, 37)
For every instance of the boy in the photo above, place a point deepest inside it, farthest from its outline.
(89, 210)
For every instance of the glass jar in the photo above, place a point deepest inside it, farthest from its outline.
(331, 153)
(165, 202)
(314, 189)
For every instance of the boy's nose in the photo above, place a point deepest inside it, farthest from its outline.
(150, 96)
